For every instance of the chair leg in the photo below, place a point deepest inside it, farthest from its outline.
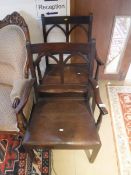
(92, 156)
(99, 120)
(31, 154)
(39, 74)
(20, 123)
(93, 105)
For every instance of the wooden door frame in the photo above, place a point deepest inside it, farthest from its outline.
(126, 59)
(72, 7)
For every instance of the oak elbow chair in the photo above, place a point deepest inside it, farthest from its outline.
(67, 25)
(63, 117)
(16, 96)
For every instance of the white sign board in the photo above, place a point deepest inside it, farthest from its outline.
(51, 7)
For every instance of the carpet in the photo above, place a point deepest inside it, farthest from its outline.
(14, 160)
(120, 103)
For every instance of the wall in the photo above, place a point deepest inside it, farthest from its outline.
(27, 8)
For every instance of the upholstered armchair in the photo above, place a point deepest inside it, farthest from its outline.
(16, 92)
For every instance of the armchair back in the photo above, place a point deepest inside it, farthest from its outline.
(13, 53)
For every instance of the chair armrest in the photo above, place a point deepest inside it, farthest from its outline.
(20, 102)
(98, 60)
(16, 101)
(97, 97)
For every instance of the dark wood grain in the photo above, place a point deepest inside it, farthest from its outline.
(52, 114)
(104, 13)
(63, 116)
(62, 69)
(70, 23)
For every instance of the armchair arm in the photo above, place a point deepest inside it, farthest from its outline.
(20, 93)
(98, 100)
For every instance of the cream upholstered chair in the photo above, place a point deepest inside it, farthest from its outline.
(16, 94)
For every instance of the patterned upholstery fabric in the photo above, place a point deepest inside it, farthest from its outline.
(17, 91)
(8, 120)
(13, 54)
(18, 88)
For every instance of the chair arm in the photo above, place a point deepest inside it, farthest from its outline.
(20, 102)
(98, 60)
(97, 97)
(99, 63)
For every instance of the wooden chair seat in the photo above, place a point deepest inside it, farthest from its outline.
(72, 73)
(76, 74)
(62, 123)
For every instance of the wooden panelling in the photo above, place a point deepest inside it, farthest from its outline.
(104, 12)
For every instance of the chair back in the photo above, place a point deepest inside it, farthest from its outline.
(13, 53)
(67, 24)
(64, 74)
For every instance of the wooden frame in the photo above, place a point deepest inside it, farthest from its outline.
(70, 23)
(86, 51)
(65, 105)
(18, 104)
(51, 49)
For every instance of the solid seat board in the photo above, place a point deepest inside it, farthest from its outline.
(75, 74)
(62, 123)
(51, 82)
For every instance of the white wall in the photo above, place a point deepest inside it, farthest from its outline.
(27, 8)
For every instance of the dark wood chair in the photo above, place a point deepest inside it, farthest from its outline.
(68, 24)
(63, 117)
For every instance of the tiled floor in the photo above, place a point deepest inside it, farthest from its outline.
(75, 162)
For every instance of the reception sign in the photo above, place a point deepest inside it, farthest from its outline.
(51, 7)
